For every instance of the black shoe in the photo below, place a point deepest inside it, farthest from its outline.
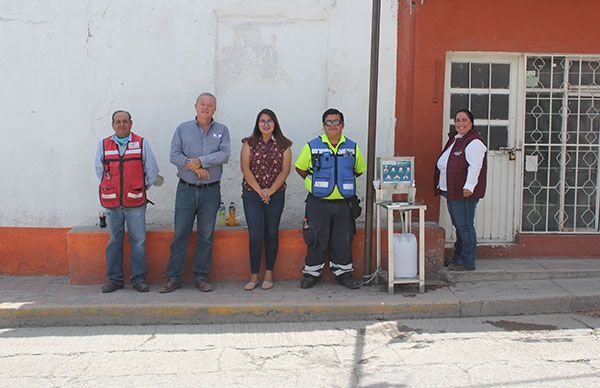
(347, 280)
(459, 267)
(111, 287)
(447, 261)
(170, 285)
(141, 287)
(308, 281)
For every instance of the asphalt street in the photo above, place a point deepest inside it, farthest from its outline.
(539, 350)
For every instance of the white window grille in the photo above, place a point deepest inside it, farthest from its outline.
(561, 144)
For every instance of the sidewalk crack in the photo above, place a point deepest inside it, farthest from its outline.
(152, 337)
(571, 296)
(582, 322)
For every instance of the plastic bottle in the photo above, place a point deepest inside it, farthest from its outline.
(221, 215)
(102, 218)
(231, 221)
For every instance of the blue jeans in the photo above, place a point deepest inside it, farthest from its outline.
(263, 227)
(462, 214)
(200, 204)
(135, 218)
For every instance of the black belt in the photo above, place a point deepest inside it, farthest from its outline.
(330, 200)
(198, 185)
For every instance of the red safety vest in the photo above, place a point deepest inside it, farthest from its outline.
(123, 182)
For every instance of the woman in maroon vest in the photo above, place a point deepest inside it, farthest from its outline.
(460, 176)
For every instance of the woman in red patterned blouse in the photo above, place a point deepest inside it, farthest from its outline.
(265, 160)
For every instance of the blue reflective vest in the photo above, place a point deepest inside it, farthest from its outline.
(330, 170)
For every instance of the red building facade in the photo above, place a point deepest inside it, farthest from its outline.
(530, 72)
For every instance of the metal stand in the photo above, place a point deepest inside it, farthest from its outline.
(396, 178)
(405, 210)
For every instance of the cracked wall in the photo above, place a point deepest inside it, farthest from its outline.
(66, 66)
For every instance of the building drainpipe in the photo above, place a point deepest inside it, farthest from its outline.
(371, 137)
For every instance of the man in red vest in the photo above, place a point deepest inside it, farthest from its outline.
(126, 167)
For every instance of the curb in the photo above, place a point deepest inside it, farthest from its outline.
(198, 314)
(127, 315)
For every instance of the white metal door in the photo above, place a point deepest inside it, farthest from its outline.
(488, 85)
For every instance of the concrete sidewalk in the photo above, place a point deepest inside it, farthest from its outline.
(52, 301)
(527, 269)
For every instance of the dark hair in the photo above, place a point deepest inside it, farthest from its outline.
(120, 111)
(468, 113)
(282, 142)
(332, 111)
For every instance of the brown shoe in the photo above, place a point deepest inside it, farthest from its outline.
(169, 286)
(204, 286)
(459, 267)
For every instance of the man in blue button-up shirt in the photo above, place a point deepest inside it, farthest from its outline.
(199, 149)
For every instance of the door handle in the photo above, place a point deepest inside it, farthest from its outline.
(509, 149)
(512, 152)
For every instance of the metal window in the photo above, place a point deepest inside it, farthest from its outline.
(483, 88)
(561, 144)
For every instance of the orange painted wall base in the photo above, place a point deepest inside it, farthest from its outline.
(33, 251)
(87, 263)
(79, 253)
(85, 251)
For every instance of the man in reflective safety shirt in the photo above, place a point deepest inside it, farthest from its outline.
(329, 165)
(126, 167)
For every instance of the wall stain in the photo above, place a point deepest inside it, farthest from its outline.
(249, 52)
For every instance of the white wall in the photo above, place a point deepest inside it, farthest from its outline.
(65, 66)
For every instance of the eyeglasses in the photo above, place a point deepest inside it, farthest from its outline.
(331, 123)
(266, 122)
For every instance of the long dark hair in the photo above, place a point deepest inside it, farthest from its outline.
(282, 142)
(453, 131)
(469, 114)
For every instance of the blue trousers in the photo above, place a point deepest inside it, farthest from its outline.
(263, 227)
(200, 204)
(135, 218)
(462, 214)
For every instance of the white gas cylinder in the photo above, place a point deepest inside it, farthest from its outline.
(405, 255)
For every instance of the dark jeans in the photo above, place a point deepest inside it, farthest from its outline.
(200, 204)
(330, 233)
(462, 214)
(263, 227)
